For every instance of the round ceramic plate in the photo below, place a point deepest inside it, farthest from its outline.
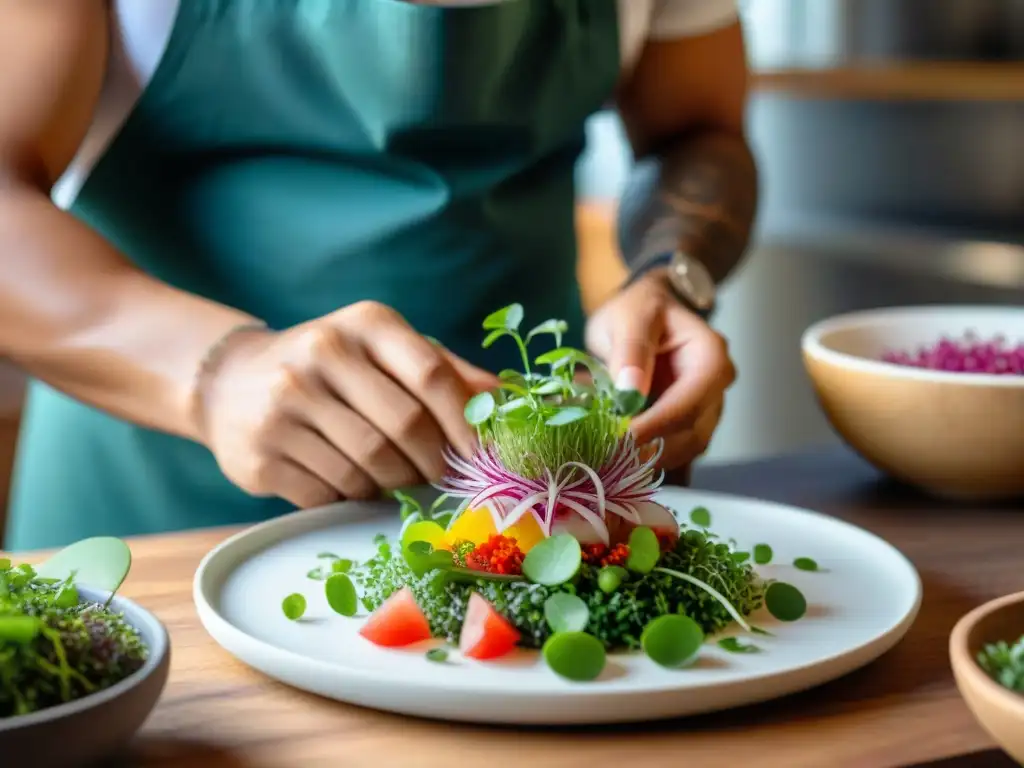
(860, 604)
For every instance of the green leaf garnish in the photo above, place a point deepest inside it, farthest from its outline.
(1004, 663)
(735, 645)
(19, 630)
(701, 517)
(567, 416)
(672, 640)
(101, 562)
(554, 327)
(763, 554)
(294, 606)
(575, 656)
(508, 318)
(341, 565)
(565, 612)
(610, 578)
(805, 564)
(785, 602)
(331, 555)
(740, 557)
(553, 561)
(480, 408)
(439, 655)
(644, 550)
(341, 595)
(629, 402)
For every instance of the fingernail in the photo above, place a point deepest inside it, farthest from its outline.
(631, 378)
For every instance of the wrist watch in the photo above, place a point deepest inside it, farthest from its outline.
(688, 278)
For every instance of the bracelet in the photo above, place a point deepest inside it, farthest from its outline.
(206, 366)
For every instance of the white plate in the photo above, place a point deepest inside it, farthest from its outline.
(859, 607)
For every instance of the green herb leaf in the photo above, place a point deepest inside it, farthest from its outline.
(553, 561)
(575, 656)
(760, 631)
(379, 540)
(508, 318)
(294, 606)
(644, 550)
(554, 327)
(341, 565)
(672, 640)
(557, 356)
(514, 405)
(785, 602)
(740, 557)
(805, 564)
(492, 337)
(5, 564)
(102, 562)
(735, 645)
(20, 630)
(438, 655)
(610, 578)
(567, 416)
(316, 574)
(341, 595)
(629, 402)
(701, 517)
(480, 408)
(763, 554)
(548, 388)
(66, 597)
(564, 612)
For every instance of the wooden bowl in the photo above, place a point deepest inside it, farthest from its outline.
(96, 727)
(954, 435)
(999, 711)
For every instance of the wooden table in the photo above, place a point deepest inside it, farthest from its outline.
(902, 710)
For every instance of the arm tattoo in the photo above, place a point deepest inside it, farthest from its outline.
(699, 194)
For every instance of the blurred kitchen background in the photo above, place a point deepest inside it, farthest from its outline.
(890, 135)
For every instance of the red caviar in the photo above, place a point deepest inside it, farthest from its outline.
(599, 554)
(499, 555)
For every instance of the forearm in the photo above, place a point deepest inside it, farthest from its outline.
(78, 315)
(697, 193)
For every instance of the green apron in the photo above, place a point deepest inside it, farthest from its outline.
(291, 157)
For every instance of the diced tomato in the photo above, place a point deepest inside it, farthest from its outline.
(397, 622)
(486, 634)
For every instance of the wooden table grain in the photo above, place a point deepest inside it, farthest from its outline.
(902, 710)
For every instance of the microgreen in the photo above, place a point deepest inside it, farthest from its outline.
(760, 631)
(294, 606)
(701, 517)
(537, 420)
(421, 557)
(19, 630)
(785, 602)
(735, 645)
(341, 565)
(672, 640)
(380, 540)
(1004, 663)
(564, 612)
(610, 578)
(438, 655)
(101, 562)
(341, 595)
(805, 564)
(575, 656)
(711, 591)
(740, 557)
(553, 561)
(327, 556)
(763, 554)
(644, 550)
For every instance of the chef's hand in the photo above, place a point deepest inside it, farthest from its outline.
(653, 344)
(341, 407)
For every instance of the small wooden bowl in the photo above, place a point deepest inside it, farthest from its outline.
(998, 710)
(953, 435)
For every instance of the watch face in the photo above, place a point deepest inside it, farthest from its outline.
(693, 281)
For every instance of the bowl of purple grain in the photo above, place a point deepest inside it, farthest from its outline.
(932, 396)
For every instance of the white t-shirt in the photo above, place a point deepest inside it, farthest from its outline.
(141, 29)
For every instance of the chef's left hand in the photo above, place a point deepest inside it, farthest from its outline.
(653, 344)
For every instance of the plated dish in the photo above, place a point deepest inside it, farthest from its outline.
(554, 566)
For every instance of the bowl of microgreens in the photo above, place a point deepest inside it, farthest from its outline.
(81, 668)
(987, 653)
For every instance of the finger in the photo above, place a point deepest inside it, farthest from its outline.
(478, 379)
(633, 346)
(316, 454)
(297, 485)
(704, 373)
(680, 450)
(362, 442)
(428, 374)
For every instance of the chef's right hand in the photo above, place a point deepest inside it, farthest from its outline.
(341, 407)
